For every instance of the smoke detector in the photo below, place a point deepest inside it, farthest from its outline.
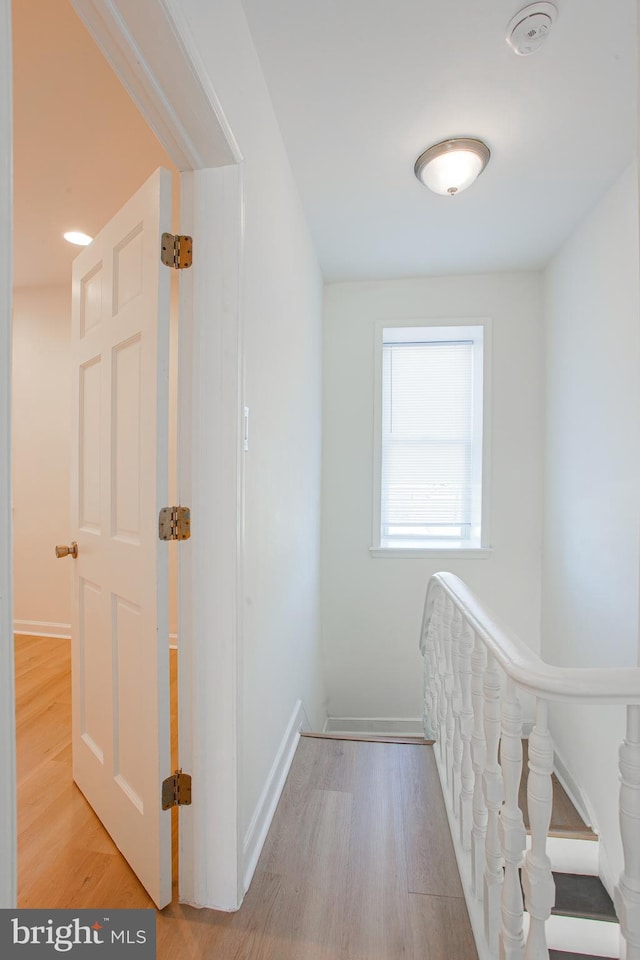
(528, 30)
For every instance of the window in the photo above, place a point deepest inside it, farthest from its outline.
(429, 438)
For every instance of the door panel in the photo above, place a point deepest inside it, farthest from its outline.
(120, 342)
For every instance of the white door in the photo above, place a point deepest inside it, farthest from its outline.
(121, 724)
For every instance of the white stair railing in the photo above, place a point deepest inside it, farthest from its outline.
(474, 672)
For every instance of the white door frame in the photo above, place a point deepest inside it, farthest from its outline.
(162, 71)
(8, 829)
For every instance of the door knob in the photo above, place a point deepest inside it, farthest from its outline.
(71, 551)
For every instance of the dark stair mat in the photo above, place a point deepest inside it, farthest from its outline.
(582, 896)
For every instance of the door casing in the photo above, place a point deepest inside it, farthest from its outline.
(8, 832)
(201, 143)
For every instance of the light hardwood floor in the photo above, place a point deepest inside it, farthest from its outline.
(358, 864)
(65, 857)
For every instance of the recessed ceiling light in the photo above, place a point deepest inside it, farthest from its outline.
(449, 167)
(80, 239)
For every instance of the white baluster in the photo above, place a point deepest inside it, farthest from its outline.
(440, 661)
(512, 833)
(627, 893)
(427, 696)
(478, 759)
(456, 708)
(493, 793)
(466, 732)
(448, 690)
(430, 681)
(435, 675)
(537, 881)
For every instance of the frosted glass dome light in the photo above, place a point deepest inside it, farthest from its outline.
(80, 239)
(451, 166)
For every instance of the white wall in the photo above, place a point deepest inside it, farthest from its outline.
(591, 569)
(41, 397)
(372, 608)
(281, 307)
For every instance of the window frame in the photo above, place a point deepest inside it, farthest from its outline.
(436, 548)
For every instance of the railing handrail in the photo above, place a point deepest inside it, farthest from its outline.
(527, 669)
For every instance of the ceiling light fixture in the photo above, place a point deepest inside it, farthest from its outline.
(451, 166)
(80, 239)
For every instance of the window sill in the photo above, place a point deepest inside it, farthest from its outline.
(434, 552)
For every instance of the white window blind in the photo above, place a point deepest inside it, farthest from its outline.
(428, 444)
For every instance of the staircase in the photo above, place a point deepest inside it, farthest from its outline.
(528, 863)
(583, 919)
(583, 922)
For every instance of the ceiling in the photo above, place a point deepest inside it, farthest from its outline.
(362, 87)
(81, 148)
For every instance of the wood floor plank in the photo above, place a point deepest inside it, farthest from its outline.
(441, 929)
(48, 785)
(376, 912)
(329, 764)
(35, 652)
(431, 864)
(84, 869)
(69, 827)
(322, 830)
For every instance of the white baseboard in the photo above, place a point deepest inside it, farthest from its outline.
(266, 806)
(42, 628)
(376, 726)
(59, 631)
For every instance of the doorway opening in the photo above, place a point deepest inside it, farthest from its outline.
(81, 149)
(183, 107)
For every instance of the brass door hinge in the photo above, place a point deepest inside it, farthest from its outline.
(177, 251)
(174, 523)
(176, 790)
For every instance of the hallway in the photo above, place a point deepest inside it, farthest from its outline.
(358, 862)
